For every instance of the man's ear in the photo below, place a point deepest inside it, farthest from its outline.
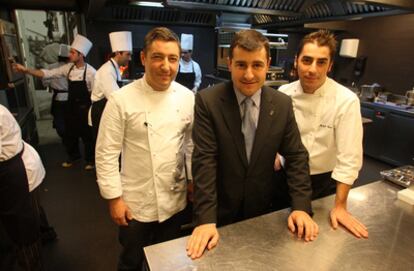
(229, 63)
(330, 66)
(142, 56)
(295, 63)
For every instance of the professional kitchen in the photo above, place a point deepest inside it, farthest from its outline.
(206, 135)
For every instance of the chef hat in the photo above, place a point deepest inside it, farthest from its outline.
(64, 50)
(187, 42)
(121, 41)
(82, 44)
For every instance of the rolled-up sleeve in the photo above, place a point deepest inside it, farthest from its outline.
(108, 149)
(58, 72)
(348, 136)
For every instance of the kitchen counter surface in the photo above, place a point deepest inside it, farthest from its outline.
(264, 243)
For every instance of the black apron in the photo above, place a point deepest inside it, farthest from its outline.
(99, 106)
(55, 93)
(186, 79)
(17, 213)
(76, 119)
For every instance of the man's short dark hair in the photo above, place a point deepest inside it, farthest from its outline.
(160, 33)
(321, 38)
(249, 40)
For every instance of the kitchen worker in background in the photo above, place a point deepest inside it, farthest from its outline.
(329, 119)
(150, 121)
(21, 171)
(239, 126)
(80, 76)
(189, 72)
(59, 88)
(108, 77)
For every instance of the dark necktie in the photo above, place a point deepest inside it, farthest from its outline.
(248, 125)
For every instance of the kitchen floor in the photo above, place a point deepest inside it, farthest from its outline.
(87, 238)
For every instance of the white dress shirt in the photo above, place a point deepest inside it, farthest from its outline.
(153, 130)
(11, 144)
(75, 75)
(60, 83)
(186, 67)
(105, 81)
(330, 125)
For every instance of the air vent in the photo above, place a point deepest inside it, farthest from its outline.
(355, 8)
(127, 13)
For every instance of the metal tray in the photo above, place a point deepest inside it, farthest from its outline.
(403, 176)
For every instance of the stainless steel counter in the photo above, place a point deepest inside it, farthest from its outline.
(264, 243)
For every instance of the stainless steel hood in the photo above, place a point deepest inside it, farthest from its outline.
(258, 13)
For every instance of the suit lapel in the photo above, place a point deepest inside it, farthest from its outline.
(231, 114)
(266, 117)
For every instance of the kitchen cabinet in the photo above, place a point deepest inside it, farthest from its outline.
(390, 135)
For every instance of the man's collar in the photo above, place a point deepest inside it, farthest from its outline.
(255, 97)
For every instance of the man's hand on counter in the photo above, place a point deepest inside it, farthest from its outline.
(302, 224)
(203, 236)
(340, 215)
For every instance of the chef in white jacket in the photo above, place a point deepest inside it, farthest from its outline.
(150, 121)
(189, 72)
(329, 120)
(108, 77)
(21, 171)
(80, 76)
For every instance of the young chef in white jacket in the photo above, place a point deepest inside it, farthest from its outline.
(189, 72)
(108, 76)
(80, 76)
(21, 171)
(329, 120)
(150, 121)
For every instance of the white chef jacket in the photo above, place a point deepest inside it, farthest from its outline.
(105, 81)
(330, 125)
(153, 130)
(60, 83)
(11, 144)
(75, 75)
(186, 67)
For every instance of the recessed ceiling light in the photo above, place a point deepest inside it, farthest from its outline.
(147, 4)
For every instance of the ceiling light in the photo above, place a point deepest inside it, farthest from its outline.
(147, 4)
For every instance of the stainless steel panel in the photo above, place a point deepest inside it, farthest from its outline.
(264, 243)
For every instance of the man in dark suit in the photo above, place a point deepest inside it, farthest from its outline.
(238, 129)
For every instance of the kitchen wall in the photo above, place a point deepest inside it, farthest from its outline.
(204, 41)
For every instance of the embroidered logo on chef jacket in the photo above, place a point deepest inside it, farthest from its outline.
(326, 126)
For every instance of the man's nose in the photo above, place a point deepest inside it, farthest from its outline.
(165, 65)
(248, 75)
(312, 67)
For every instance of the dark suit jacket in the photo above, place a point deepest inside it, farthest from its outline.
(226, 187)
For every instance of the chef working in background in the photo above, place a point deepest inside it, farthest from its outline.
(80, 76)
(108, 77)
(189, 72)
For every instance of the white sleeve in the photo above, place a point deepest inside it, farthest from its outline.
(90, 77)
(198, 75)
(348, 138)
(108, 149)
(188, 143)
(61, 71)
(109, 84)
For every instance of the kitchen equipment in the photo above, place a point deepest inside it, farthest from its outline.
(410, 97)
(403, 176)
(367, 93)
